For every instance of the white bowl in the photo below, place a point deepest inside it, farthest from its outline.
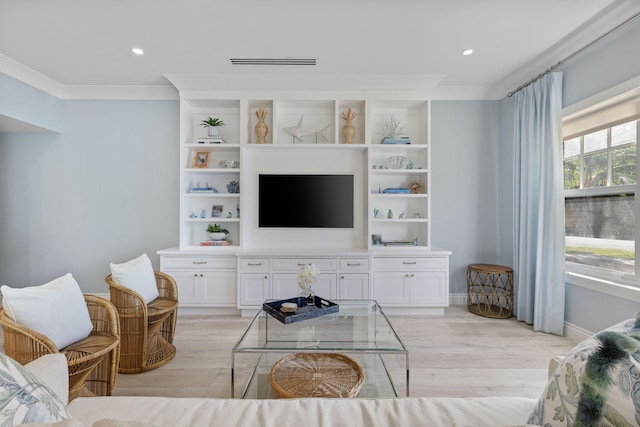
(397, 162)
(229, 163)
(217, 236)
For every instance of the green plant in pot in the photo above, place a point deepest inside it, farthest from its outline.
(212, 124)
(216, 232)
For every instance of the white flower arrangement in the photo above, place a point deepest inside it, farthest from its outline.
(306, 278)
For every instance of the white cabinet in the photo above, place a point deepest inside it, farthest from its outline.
(412, 281)
(262, 277)
(353, 286)
(203, 281)
(253, 289)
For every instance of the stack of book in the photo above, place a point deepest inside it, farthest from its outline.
(211, 140)
(396, 191)
(401, 140)
(215, 243)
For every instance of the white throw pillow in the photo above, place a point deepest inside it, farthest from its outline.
(138, 276)
(24, 398)
(56, 309)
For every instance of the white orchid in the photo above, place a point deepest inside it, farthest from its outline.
(306, 278)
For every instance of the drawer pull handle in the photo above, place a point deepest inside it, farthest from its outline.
(199, 262)
(354, 265)
(409, 263)
(254, 264)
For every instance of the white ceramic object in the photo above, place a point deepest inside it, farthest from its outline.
(397, 162)
(228, 163)
(217, 236)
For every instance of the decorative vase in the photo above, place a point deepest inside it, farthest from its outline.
(212, 131)
(261, 128)
(348, 130)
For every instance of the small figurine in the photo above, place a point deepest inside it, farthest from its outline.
(410, 165)
(193, 215)
(416, 241)
(203, 214)
(233, 187)
(390, 214)
(376, 213)
(229, 215)
(379, 189)
(417, 215)
(401, 216)
(238, 210)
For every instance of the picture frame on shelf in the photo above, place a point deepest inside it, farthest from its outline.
(201, 159)
(216, 211)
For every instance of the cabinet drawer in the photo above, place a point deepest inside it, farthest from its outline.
(410, 263)
(198, 262)
(254, 264)
(294, 264)
(354, 264)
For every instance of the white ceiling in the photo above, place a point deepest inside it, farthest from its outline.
(67, 46)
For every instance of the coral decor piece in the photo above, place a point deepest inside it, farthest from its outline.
(392, 128)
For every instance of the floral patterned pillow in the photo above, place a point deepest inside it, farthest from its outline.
(24, 398)
(597, 383)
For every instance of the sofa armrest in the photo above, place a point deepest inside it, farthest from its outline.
(553, 364)
(52, 369)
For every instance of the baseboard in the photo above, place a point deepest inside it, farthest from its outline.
(458, 299)
(576, 333)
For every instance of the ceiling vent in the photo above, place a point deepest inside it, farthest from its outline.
(273, 61)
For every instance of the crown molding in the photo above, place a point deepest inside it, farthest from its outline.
(29, 76)
(115, 92)
(614, 15)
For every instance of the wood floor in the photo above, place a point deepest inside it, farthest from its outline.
(458, 354)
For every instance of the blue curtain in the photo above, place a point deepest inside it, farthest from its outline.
(539, 205)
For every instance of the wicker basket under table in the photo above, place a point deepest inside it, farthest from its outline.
(316, 375)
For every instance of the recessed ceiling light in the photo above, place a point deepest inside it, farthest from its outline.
(467, 52)
(137, 51)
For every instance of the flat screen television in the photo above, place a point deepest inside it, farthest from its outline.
(305, 201)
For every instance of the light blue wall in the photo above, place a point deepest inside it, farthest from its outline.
(22, 102)
(104, 190)
(465, 165)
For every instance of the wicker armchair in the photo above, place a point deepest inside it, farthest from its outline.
(146, 330)
(93, 361)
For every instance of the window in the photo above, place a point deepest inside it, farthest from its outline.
(600, 182)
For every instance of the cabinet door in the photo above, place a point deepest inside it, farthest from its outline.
(219, 288)
(354, 286)
(391, 287)
(285, 285)
(428, 287)
(188, 290)
(254, 289)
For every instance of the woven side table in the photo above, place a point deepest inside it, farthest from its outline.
(490, 290)
(316, 375)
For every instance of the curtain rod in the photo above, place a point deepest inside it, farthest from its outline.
(561, 62)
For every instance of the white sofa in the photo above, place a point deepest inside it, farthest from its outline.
(137, 411)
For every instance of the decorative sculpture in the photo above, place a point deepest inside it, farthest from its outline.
(298, 132)
(349, 129)
(261, 128)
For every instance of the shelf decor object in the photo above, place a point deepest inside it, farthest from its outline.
(349, 129)
(392, 128)
(397, 162)
(416, 187)
(261, 128)
(212, 124)
(298, 132)
(201, 159)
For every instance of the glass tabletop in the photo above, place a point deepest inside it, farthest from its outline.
(358, 326)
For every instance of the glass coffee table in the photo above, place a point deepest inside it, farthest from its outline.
(359, 330)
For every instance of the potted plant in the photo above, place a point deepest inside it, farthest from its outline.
(216, 232)
(212, 124)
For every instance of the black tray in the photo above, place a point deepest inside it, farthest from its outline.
(305, 311)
